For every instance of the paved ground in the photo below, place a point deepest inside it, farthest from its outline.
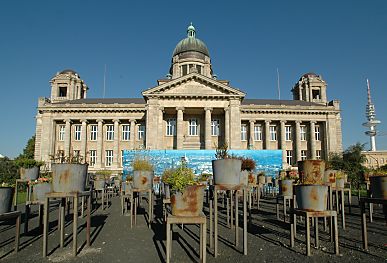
(268, 240)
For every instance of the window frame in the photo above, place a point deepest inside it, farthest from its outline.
(288, 133)
(257, 132)
(289, 157)
(109, 158)
(193, 127)
(109, 132)
(77, 132)
(215, 127)
(318, 154)
(302, 132)
(273, 133)
(93, 157)
(125, 132)
(317, 133)
(93, 132)
(170, 127)
(304, 155)
(61, 132)
(141, 132)
(243, 132)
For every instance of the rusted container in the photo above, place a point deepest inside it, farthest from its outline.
(6, 194)
(40, 190)
(68, 177)
(340, 183)
(311, 197)
(227, 172)
(166, 191)
(311, 171)
(188, 203)
(244, 178)
(286, 187)
(99, 184)
(143, 180)
(29, 174)
(330, 176)
(252, 179)
(378, 186)
(268, 179)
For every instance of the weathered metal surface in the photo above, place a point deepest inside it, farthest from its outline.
(311, 171)
(261, 179)
(166, 190)
(99, 184)
(39, 191)
(227, 171)
(230, 187)
(29, 174)
(244, 178)
(330, 176)
(311, 197)
(6, 194)
(143, 180)
(286, 187)
(378, 186)
(268, 179)
(340, 183)
(68, 177)
(188, 203)
(252, 178)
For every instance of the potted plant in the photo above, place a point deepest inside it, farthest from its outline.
(142, 173)
(261, 177)
(311, 194)
(248, 166)
(100, 179)
(186, 193)
(28, 168)
(287, 182)
(226, 168)
(378, 184)
(6, 195)
(69, 173)
(165, 186)
(41, 186)
(340, 179)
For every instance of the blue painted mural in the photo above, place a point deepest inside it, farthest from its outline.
(269, 161)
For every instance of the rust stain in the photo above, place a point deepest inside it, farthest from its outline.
(314, 195)
(144, 180)
(284, 188)
(229, 187)
(189, 202)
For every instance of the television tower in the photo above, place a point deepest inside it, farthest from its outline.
(372, 121)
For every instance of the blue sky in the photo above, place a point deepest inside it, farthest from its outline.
(344, 41)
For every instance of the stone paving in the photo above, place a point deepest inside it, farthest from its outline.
(268, 240)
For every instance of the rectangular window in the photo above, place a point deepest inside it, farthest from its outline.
(318, 154)
(125, 132)
(289, 157)
(303, 133)
(184, 69)
(243, 133)
(193, 127)
(317, 133)
(288, 133)
(61, 132)
(93, 157)
(62, 91)
(303, 155)
(171, 127)
(141, 132)
(76, 153)
(108, 157)
(93, 132)
(257, 133)
(215, 127)
(78, 132)
(273, 133)
(109, 132)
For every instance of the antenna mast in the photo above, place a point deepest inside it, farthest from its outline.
(371, 117)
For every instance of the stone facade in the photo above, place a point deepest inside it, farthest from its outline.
(190, 109)
(375, 159)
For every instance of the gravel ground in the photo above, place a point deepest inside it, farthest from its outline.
(268, 240)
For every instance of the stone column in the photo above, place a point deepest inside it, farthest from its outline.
(179, 128)
(251, 133)
(298, 141)
(235, 124)
(84, 139)
(312, 140)
(53, 133)
(283, 142)
(116, 141)
(267, 134)
(67, 138)
(99, 144)
(227, 125)
(133, 134)
(207, 127)
(160, 137)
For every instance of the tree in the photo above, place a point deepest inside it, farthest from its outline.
(29, 150)
(8, 171)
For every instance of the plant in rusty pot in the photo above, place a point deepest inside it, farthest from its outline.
(287, 182)
(69, 173)
(186, 193)
(6, 196)
(247, 167)
(28, 168)
(378, 184)
(226, 168)
(340, 179)
(311, 194)
(165, 188)
(142, 173)
(41, 186)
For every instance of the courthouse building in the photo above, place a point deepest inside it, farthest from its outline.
(189, 109)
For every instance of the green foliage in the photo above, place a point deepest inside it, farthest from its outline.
(180, 178)
(204, 177)
(29, 150)
(72, 159)
(350, 162)
(8, 171)
(28, 163)
(340, 175)
(166, 174)
(141, 164)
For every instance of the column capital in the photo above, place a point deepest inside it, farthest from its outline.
(208, 109)
(68, 120)
(100, 121)
(84, 121)
(116, 120)
(162, 109)
(132, 120)
(226, 109)
(313, 122)
(252, 121)
(282, 121)
(298, 122)
(180, 108)
(267, 121)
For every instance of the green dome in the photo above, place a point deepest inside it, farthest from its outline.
(191, 43)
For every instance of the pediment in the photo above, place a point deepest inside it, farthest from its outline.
(193, 85)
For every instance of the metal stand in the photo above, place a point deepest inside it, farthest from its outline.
(137, 200)
(11, 215)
